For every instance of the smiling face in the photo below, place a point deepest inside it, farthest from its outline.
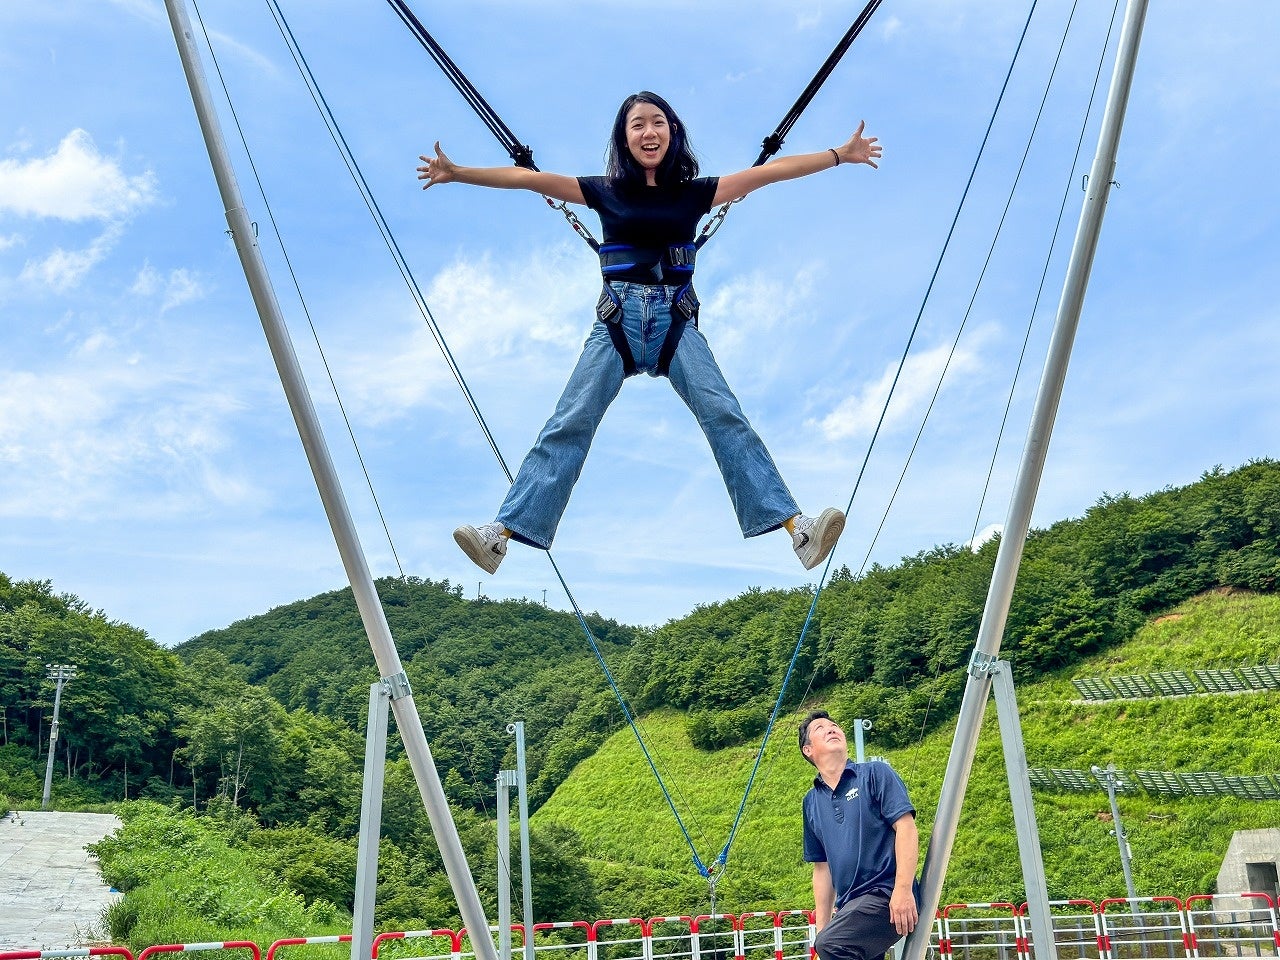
(648, 137)
(825, 740)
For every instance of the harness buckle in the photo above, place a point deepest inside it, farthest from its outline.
(682, 255)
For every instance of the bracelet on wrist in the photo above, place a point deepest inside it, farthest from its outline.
(836, 155)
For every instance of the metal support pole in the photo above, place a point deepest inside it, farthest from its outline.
(335, 505)
(859, 748)
(1030, 470)
(1107, 777)
(506, 780)
(1035, 887)
(526, 869)
(60, 672)
(375, 767)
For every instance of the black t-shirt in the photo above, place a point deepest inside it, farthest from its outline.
(654, 217)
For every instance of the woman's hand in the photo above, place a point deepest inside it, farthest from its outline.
(438, 170)
(859, 149)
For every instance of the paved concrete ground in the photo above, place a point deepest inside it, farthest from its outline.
(51, 893)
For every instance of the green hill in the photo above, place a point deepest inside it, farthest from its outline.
(613, 802)
(472, 664)
(254, 730)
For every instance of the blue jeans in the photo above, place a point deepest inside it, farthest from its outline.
(540, 493)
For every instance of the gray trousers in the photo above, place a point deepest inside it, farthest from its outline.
(860, 930)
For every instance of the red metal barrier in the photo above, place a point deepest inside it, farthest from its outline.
(658, 942)
(301, 941)
(1203, 927)
(1147, 928)
(642, 942)
(976, 937)
(1023, 942)
(782, 928)
(589, 943)
(770, 934)
(734, 933)
(1068, 931)
(455, 939)
(199, 947)
(1231, 922)
(73, 952)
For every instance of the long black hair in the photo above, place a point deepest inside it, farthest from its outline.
(678, 165)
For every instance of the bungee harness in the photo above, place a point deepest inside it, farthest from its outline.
(670, 266)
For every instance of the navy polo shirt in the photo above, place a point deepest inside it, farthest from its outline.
(851, 828)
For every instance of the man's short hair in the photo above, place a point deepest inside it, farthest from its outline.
(804, 726)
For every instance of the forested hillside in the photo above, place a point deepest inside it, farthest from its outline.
(259, 711)
(474, 665)
(260, 723)
(895, 637)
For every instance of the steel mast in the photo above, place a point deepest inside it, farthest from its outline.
(1018, 524)
(371, 613)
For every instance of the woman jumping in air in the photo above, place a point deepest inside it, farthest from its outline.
(650, 202)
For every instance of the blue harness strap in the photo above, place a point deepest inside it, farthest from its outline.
(670, 266)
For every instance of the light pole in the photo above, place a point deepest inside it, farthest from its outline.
(60, 672)
(1109, 778)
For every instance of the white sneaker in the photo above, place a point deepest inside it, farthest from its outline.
(814, 537)
(486, 545)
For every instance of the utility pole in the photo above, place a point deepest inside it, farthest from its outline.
(61, 673)
(1109, 778)
(526, 871)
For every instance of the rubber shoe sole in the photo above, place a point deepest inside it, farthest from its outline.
(823, 536)
(485, 554)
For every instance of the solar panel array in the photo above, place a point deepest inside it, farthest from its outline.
(1161, 783)
(1178, 683)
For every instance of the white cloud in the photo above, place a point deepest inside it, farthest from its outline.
(105, 436)
(987, 533)
(75, 182)
(749, 309)
(857, 415)
(890, 27)
(178, 287)
(537, 300)
(12, 240)
(146, 10)
(63, 269)
(516, 313)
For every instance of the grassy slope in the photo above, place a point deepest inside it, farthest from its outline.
(1177, 845)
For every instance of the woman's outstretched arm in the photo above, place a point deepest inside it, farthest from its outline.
(858, 149)
(440, 169)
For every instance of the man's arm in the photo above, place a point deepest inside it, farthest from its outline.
(824, 894)
(906, 850)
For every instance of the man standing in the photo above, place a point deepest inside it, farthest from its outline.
(860, 835)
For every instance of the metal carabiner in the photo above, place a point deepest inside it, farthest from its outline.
(578, 226)
(714, 223)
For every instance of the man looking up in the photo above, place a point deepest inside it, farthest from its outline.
(860, 835)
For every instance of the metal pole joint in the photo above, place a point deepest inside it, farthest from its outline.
(397, 686)
(983, 665)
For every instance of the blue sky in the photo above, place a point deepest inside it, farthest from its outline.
(148, 462)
